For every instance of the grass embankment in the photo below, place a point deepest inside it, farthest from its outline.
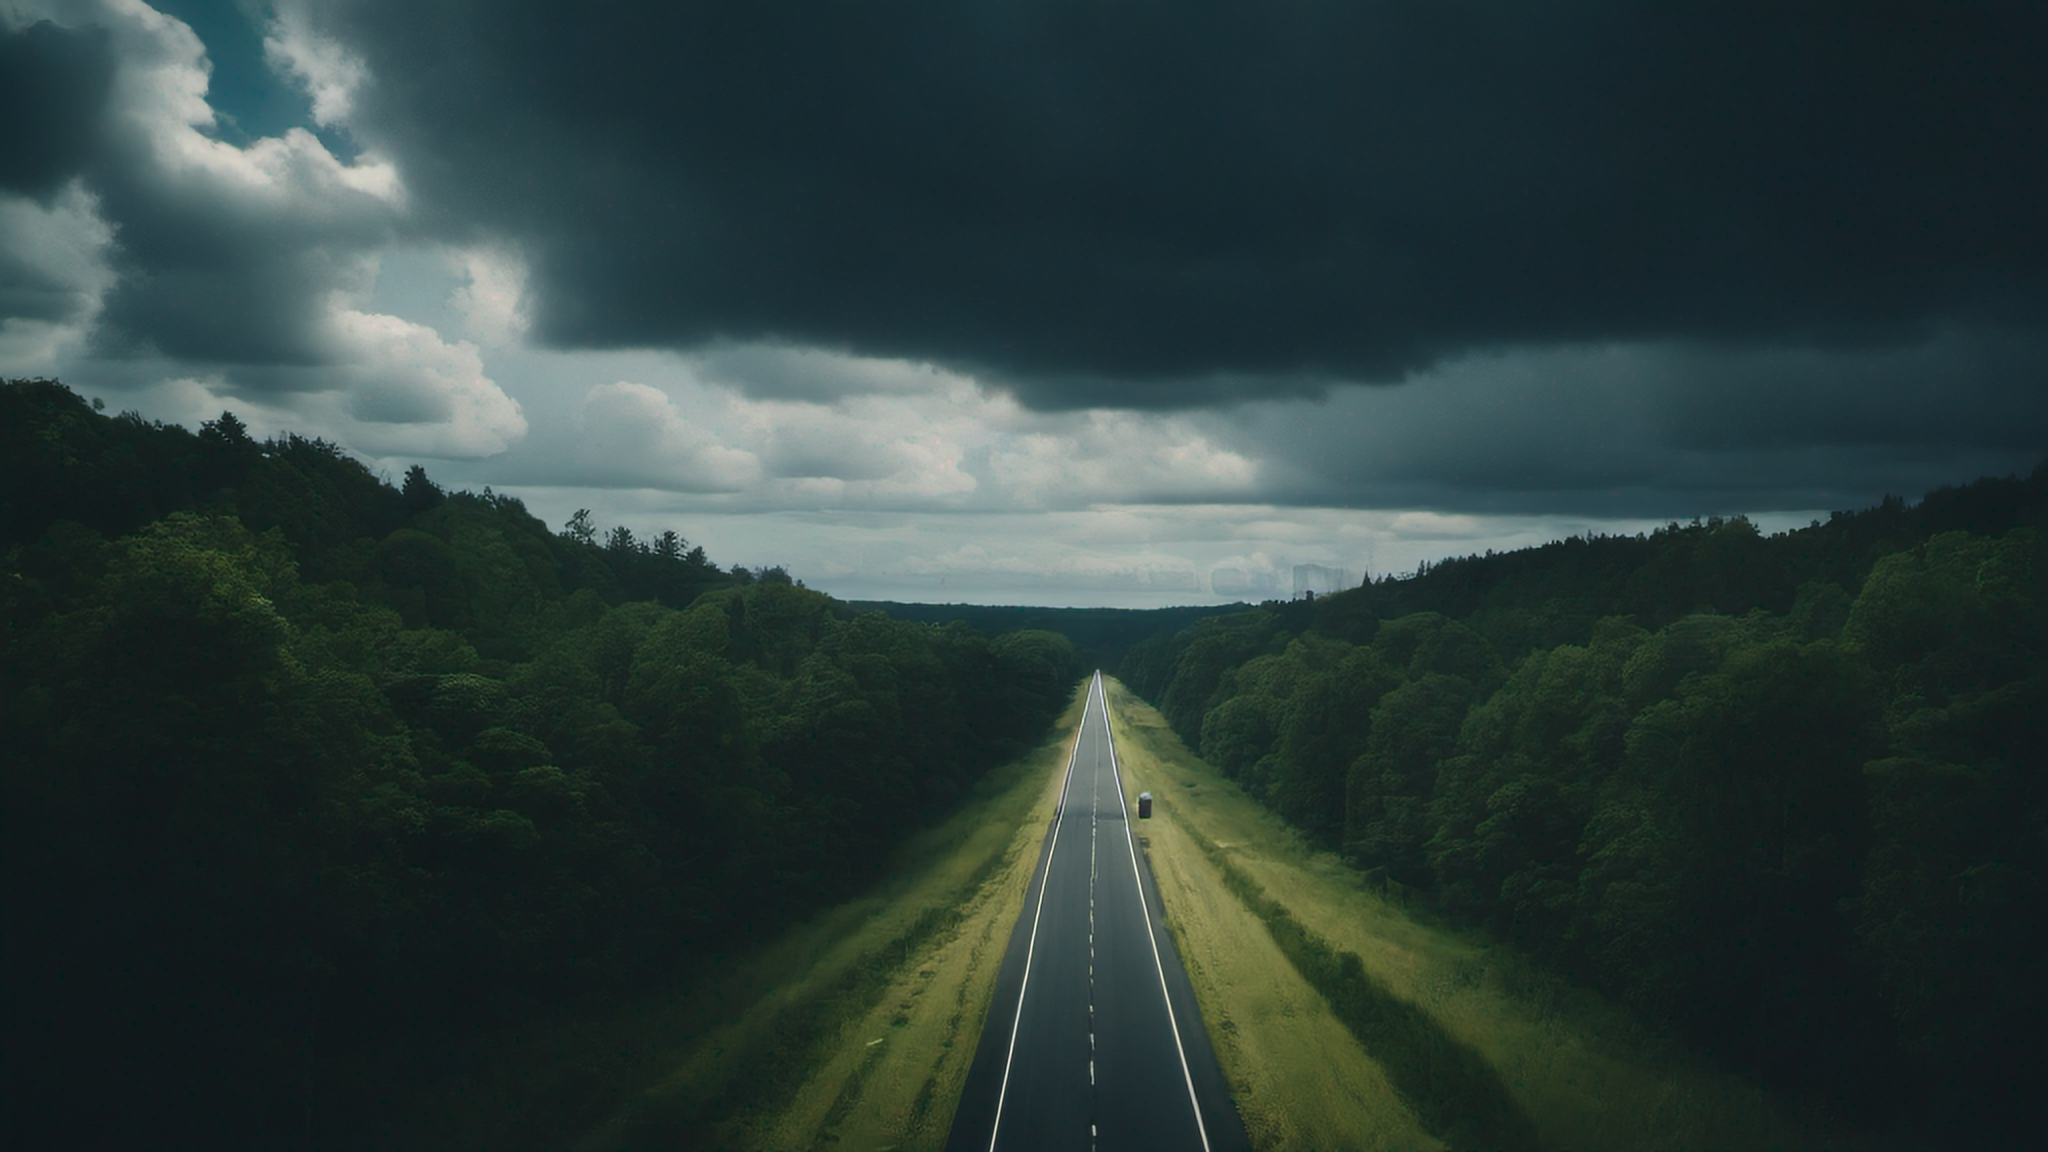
(1341, 1021)
(853, 1029)
(858, 1028)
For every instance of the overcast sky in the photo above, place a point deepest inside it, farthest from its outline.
(1066, 303)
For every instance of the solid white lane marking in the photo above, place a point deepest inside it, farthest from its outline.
(1031, 948)
(1158, 965)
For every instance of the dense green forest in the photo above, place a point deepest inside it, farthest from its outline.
(1782, 796)
(304, 769)
(1101, 635)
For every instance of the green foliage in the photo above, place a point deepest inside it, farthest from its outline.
(1108, 638)
(420, 494)
(1739, 809)
(310, 771)
(1205, 651)
(1783, 797)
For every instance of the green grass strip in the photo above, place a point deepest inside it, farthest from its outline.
(1450, 1087)
(764, 1073)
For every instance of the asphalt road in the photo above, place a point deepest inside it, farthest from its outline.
(1093, 1040)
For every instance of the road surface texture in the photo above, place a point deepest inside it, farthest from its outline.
(1093, 1040)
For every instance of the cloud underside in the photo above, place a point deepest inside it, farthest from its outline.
(1606, 430)
(1145, 205)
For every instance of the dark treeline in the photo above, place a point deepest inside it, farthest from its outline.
(1101, 635)
(306, 772)
(1781, 796)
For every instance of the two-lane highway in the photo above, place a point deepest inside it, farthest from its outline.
(1093, 1040)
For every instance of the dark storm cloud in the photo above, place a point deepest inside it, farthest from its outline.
(30, 291)
(1666, 430)
(53, 89)
(202, 283)
(1990, 392)
(1170, 204)
(774, 370)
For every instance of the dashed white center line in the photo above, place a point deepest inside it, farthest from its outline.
(1094, 829)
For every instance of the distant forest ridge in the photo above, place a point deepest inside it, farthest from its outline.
(313, 779)
(1580, 579)
(1784, 797)
(1100, 635)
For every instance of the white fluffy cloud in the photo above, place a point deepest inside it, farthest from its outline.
(887, 450)
(634, 435)
(399, 391)
(411, 393)
(161, 122)
(884, 435)
(1098, 455)
(492, 300)
(324, 67)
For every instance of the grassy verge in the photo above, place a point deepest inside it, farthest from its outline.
(864, 1037)
(1448, 1085)
(1466, 1043)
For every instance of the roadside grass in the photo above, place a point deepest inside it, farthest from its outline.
(766, 1047)
(862, 1035)
(1448, 1085)
(1301, 1082)
(1469, 1042)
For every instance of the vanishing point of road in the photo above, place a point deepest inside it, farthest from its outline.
(1093, 1040)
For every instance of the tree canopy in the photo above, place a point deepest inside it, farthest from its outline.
(305, 767)
(1782, 796)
